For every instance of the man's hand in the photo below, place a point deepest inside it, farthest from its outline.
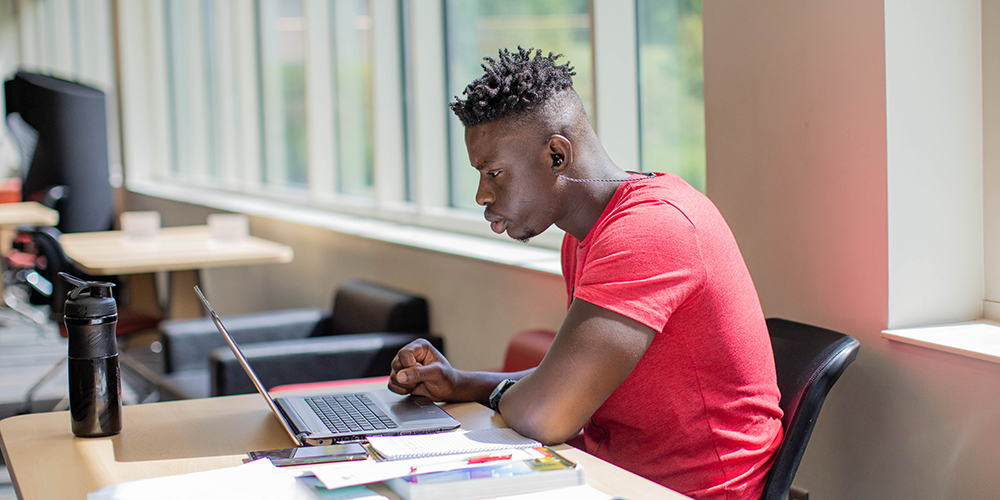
(420, 369)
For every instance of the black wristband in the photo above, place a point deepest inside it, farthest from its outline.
(498, 393)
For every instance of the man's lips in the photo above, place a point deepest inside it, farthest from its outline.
(497, 223)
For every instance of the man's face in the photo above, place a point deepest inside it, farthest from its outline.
(516, 182)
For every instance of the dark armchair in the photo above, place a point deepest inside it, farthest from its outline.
(358, 338)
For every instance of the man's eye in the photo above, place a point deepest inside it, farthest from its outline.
(493, 173)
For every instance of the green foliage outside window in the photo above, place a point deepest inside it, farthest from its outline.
(671, 88)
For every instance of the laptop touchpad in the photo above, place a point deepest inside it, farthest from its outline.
(424, 408)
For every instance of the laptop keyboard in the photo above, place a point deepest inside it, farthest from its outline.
(350, 413)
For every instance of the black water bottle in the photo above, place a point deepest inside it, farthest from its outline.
(95, 388)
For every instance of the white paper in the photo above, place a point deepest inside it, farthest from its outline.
(340, 475)
(582, 492)
(449, 443)
(350, 493)
(255, 480)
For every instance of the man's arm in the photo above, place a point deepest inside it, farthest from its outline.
(593, 353)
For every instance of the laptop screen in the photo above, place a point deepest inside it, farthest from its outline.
(246, 366)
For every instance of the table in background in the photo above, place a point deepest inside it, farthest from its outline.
(27, 212)
(184, 248)
(46, 461)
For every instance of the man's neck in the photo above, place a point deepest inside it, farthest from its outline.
(588, 200)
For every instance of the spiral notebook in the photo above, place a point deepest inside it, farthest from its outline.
(449, 443)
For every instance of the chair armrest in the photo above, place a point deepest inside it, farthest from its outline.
(188, 343)
(309, 360)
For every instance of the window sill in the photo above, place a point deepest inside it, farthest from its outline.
(979, 339)
(501, 252)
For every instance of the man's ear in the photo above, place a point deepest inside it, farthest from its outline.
(560, 150)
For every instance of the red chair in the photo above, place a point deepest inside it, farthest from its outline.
(526, 349)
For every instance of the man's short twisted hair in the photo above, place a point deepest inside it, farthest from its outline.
(513, 83)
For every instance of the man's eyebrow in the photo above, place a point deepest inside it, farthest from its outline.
(482, 165)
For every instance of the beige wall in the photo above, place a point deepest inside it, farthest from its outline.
(799, 163)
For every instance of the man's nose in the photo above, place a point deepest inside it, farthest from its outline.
(483, 194)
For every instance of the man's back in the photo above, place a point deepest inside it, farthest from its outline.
(699, 413)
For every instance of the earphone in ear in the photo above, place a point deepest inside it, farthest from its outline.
(557, 160)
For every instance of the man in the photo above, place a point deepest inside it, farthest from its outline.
(663, 358)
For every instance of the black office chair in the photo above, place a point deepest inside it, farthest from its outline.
(52, 260)
(809, 360)
(61, 129)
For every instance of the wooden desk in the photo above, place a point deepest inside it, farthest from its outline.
(46, 461)
(173, 249)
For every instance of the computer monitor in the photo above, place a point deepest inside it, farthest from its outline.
(71, 148)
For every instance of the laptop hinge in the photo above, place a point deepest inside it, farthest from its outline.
(292, 417)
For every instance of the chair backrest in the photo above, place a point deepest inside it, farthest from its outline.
(50, 261)
(809, 360)
(68, 122)
(363, 307)
(526, 349)
(26, 138)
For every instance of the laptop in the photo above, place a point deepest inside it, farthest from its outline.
(324, 419)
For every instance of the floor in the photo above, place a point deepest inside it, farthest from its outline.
(6, 488)
(27, 353)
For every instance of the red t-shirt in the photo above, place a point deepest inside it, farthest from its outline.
(699, 413)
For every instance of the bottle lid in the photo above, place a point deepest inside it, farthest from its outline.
(89, 299)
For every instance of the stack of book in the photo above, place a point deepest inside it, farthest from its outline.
(494, 478)
(458, 465)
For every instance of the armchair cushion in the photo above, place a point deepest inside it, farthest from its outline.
(188, 343)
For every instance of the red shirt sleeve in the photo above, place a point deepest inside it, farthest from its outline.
(642, 262)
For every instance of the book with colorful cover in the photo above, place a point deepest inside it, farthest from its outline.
(549, 471)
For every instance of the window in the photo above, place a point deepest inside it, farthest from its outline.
(671, 89)
(342, 106)
(478, 28)
(353, 86)
(190, 60)
(283, 95)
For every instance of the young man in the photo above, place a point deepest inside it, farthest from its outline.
(663, 359)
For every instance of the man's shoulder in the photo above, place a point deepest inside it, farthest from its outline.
(665, 188)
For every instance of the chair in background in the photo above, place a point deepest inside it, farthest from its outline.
(61, 129)
(526, 349)
(809, 360)
(357, 338)
(52, 260)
